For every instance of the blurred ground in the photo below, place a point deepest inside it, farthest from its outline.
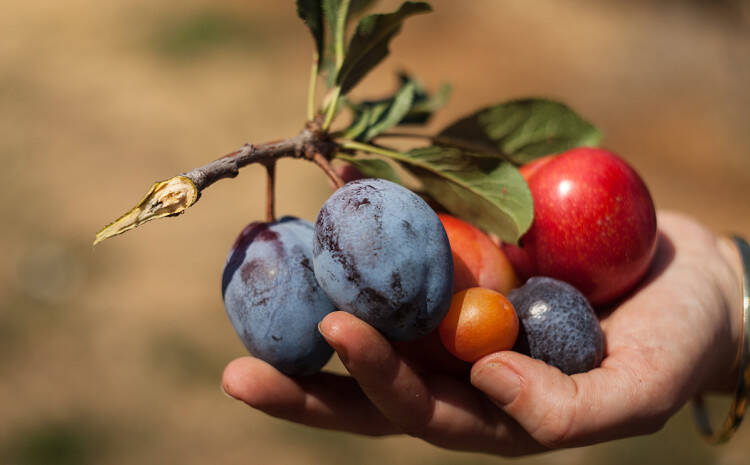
(114, 355)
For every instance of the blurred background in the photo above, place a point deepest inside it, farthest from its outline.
(114, 355)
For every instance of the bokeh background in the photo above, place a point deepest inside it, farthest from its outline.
(114, 355)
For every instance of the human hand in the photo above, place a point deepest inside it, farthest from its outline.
(674, 337)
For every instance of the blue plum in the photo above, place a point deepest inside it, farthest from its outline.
(272, 298)
(557, 325)
(381, 253)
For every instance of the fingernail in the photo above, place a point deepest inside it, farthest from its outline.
(337, 346)
(501, 383)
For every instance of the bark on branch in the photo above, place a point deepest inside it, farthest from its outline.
(229, 165)
(175, 195)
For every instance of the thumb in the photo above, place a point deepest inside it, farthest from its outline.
(558, 410)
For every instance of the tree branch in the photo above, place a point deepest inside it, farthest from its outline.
(229, 165)
(175, 195)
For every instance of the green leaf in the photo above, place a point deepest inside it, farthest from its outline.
(332, 11)
(425, 105)
(372, 167)
(411, 105)
(362, 117)
(311, 12)
(521, 130)
(373, 117)
(369, 45)
(328, 68)
(358, 6)
(397, 110)
(489, 193)
(333, 7)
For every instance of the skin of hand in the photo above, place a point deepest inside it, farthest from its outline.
(675, 336)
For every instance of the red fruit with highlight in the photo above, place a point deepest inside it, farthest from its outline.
(594, 224)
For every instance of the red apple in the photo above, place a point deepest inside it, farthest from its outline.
(477, 261)
(594, 224)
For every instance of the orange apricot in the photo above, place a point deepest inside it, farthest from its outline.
(477, 261)
(531, 167)
(480, 321)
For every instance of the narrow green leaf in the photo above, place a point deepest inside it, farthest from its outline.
(425, 104)
(521, 130)
(411, 105)
(366, 114)
(359, 6)
(397, 110)
(336, 13)
(331, 9)
(311, 12)
(328, 68)
(331, 12)
(377, 112)
(372, 167)
(359, 125)
(369, 45)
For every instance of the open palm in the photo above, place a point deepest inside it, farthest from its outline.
(675, 336)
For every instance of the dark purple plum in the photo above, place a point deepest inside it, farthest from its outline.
(272, 298)
(381, 253)
(557, 325)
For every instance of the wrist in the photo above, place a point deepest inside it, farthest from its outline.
(729, 281)
(741, 367)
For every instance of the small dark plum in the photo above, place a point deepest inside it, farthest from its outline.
(272, 298)
(381, 253)
(557, 325)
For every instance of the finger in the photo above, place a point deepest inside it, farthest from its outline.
(653, 351)
(464, 419)
(323, 400)
(609, 402)
(387, 380)
(429, 353)
(440, 409)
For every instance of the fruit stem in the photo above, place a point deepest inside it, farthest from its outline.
(332, 104)
(323, 163)
(311, 88)
(368, 148)
(270, 197)
(405, 135)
